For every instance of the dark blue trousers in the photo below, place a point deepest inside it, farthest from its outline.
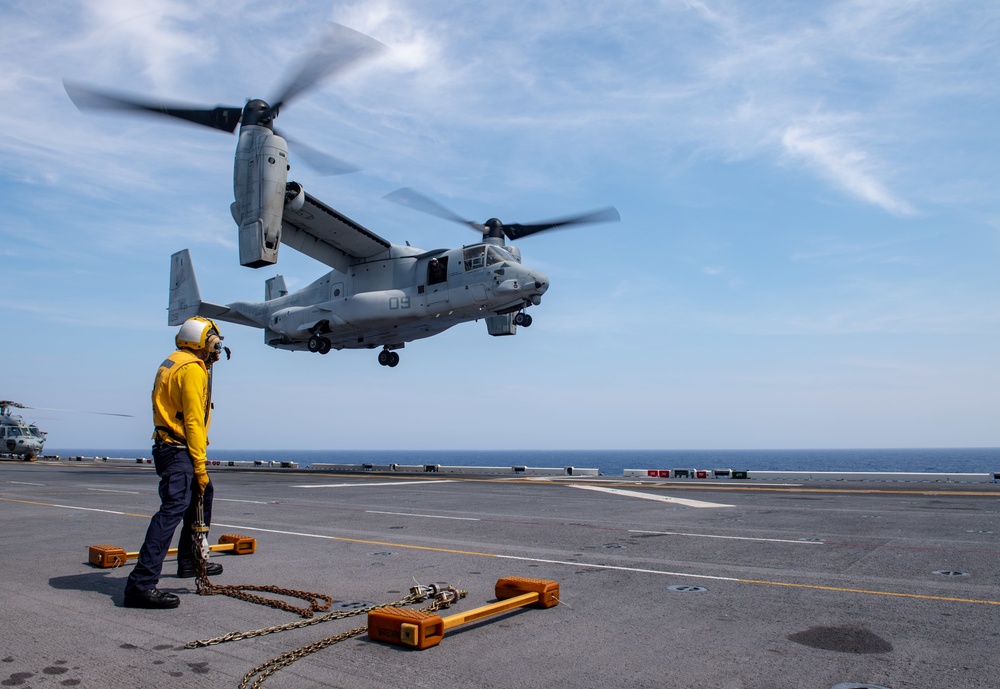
(176, 472)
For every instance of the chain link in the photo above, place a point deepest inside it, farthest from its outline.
(267, 669)
(338, 615)
(206, 588)
(318, 602)
(443, 595)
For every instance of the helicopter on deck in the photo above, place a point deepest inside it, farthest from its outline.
(18, 438)
(378, 294)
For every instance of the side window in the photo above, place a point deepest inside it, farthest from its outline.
(437, 270)
(473, 256)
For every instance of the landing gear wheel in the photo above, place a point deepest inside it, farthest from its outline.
(313, 344)
(387, 358)
(324, 346)
(522, 319)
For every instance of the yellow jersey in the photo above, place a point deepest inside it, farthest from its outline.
(181, 409)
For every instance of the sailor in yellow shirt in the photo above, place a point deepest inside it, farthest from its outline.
(182, 413)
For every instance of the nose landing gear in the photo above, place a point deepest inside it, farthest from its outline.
(522, 319)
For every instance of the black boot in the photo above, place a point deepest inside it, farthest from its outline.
(186, 571)
(152, 599)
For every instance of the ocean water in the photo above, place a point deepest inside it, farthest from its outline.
(614, 462)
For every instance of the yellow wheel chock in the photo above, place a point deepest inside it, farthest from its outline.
(421, 630)
(105, 556)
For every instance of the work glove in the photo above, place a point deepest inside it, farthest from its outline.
(203, 481)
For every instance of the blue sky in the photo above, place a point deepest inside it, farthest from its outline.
(807, 256)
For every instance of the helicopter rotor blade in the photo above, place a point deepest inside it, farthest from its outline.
(323, 163)
(493, 228)
(340, 48)
(517, 230)
(417, 201)
(18, 405)
(81, 411)
(223, 118)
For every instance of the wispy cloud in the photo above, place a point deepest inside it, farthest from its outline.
(848, 168)
(858, 252)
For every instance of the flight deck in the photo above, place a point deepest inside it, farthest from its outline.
(718, 584)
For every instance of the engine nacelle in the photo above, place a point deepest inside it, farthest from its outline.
(260, 174)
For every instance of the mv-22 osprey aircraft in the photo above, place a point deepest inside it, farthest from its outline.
(378, 294)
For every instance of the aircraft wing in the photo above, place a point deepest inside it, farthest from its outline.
(319, 231)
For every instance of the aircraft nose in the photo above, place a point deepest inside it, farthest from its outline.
(541, 281)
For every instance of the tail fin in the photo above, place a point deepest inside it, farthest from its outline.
(185, 298)
(274, 288)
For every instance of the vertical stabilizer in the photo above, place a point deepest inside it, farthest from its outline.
(185, 298)
(274, 288)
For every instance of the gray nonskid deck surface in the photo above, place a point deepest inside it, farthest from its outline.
(811, 586)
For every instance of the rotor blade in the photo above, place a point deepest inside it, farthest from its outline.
(75, 411)
(322, 163)
(517, 230)
(221, 117)
(340, 48)
(417, 201)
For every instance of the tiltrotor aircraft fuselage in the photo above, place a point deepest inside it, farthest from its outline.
(378, 295)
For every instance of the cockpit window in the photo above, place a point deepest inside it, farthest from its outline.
(13, 431)
(35, 431)
(473, 256)
(496, 254)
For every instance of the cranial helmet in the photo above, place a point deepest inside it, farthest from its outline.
(195, 332)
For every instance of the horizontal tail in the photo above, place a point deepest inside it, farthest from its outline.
(185, 298)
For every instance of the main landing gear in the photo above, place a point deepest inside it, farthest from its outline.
(388, 358)
(318, 344)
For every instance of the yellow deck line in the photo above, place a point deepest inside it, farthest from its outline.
(839, 589)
